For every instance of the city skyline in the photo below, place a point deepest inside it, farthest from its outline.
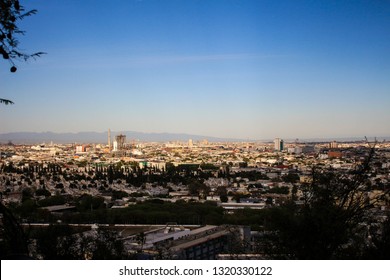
(229, 69)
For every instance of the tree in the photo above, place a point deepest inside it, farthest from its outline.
(88, 202)
(107, 246)
(61, 242)
(222, 192)
(6, 101)
(333, 222)
(291, 178)
(197, 188)
(141, 239)
(10, 13)
(55, 242)
(14, 244)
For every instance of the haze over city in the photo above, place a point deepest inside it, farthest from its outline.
(234, 69)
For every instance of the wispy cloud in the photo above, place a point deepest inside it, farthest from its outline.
(178, 59)
(89, 60)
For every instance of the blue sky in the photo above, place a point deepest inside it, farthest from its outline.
(226, 68)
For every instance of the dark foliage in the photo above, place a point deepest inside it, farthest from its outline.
(61, 242)
(333, 222)
(10, 13)
(14, 241)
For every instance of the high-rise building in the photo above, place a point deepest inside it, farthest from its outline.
(120, 139)
(334, 145)
(115, 144)
(278, 144)
(109, 139)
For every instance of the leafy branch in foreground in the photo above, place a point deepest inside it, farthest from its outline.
(6, 101)
(11, 11)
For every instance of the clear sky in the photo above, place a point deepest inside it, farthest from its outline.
(227, 68)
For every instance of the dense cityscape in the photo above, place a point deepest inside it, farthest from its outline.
(237, 134)
(195, 199)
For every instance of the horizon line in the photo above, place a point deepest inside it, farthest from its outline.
(232, 139)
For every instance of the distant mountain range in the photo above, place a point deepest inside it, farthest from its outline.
(101, 137)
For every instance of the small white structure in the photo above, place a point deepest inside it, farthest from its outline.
(115, 144)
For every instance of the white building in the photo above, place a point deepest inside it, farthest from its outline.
(278, 144)
(115, 144)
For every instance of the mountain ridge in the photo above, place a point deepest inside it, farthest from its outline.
(102, 137)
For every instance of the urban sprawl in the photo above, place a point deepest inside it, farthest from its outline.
(185, 200)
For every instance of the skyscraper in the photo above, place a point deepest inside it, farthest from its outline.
(278, 144)
(109, 140)
(120, 139)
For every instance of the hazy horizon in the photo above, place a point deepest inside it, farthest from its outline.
(101, 137)
(220, 68)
